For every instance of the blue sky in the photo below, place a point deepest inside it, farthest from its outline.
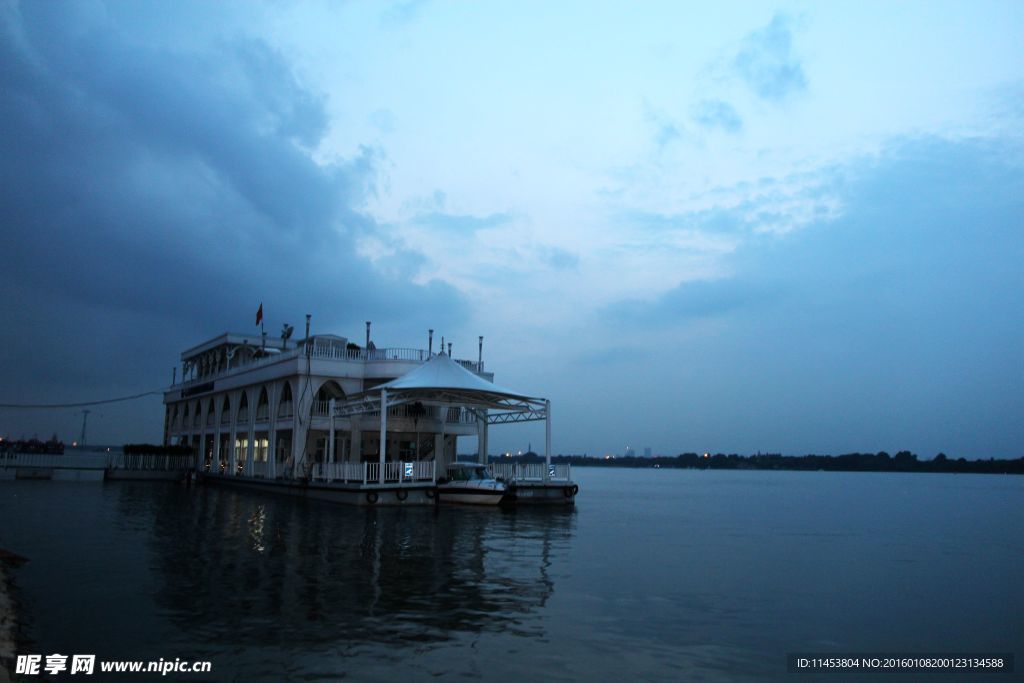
(786, 227)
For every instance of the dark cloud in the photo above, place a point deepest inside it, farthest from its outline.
(767, 64)
(718, 114)
(151, 198)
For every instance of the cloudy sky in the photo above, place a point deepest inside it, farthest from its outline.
(787, 227)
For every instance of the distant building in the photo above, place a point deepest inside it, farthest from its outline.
(647, 451)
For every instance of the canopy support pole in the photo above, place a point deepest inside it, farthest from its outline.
(547, 439)
(330, 440)
(383, 432)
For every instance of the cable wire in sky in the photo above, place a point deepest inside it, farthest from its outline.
(79, 405)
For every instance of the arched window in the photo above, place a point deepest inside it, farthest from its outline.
(262, 406)
(184, 418)
(330, 389)
(327, 391)
(243, 409)
(225, 411)
(210, 412)
(174, 417)
(286, 408)
(196, 416)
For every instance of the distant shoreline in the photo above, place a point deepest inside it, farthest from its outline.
(904, 461)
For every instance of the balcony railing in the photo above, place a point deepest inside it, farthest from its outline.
(460, 416)
(409, 411)
(326, 349)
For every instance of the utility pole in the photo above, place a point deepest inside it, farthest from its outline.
(85, 418)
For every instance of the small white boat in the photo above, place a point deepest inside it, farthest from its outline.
(470, 483)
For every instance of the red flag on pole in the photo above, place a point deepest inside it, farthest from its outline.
(259, 314)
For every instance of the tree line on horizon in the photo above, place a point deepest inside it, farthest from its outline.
(903, 461)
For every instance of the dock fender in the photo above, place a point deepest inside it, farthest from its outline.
(401, 494)
(372, 497)
(571, 491)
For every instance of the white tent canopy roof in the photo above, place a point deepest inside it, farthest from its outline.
(442, 381)
(442, 373)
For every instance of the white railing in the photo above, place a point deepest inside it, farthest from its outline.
(394, 472)
(98, 461)
(252, 363)
(425, 470)
(321, 408)
(471, 365)
(340, 471)
(418, 355)
(92, 461)
(324, 349)
(460, 416)
(408, 411)
(530, 471)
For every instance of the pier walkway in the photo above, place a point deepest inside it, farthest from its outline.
(93, 466)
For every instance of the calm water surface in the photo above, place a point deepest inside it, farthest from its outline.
(656, 575)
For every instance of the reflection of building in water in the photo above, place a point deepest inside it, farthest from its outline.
(250, 568)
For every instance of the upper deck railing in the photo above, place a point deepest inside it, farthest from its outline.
(327, 349)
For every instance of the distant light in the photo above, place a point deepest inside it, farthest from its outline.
(74, 444)
(707, 455)
(108, 450)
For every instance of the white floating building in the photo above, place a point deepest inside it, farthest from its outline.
(323, 417)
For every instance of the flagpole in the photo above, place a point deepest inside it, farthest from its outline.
(263, 332)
